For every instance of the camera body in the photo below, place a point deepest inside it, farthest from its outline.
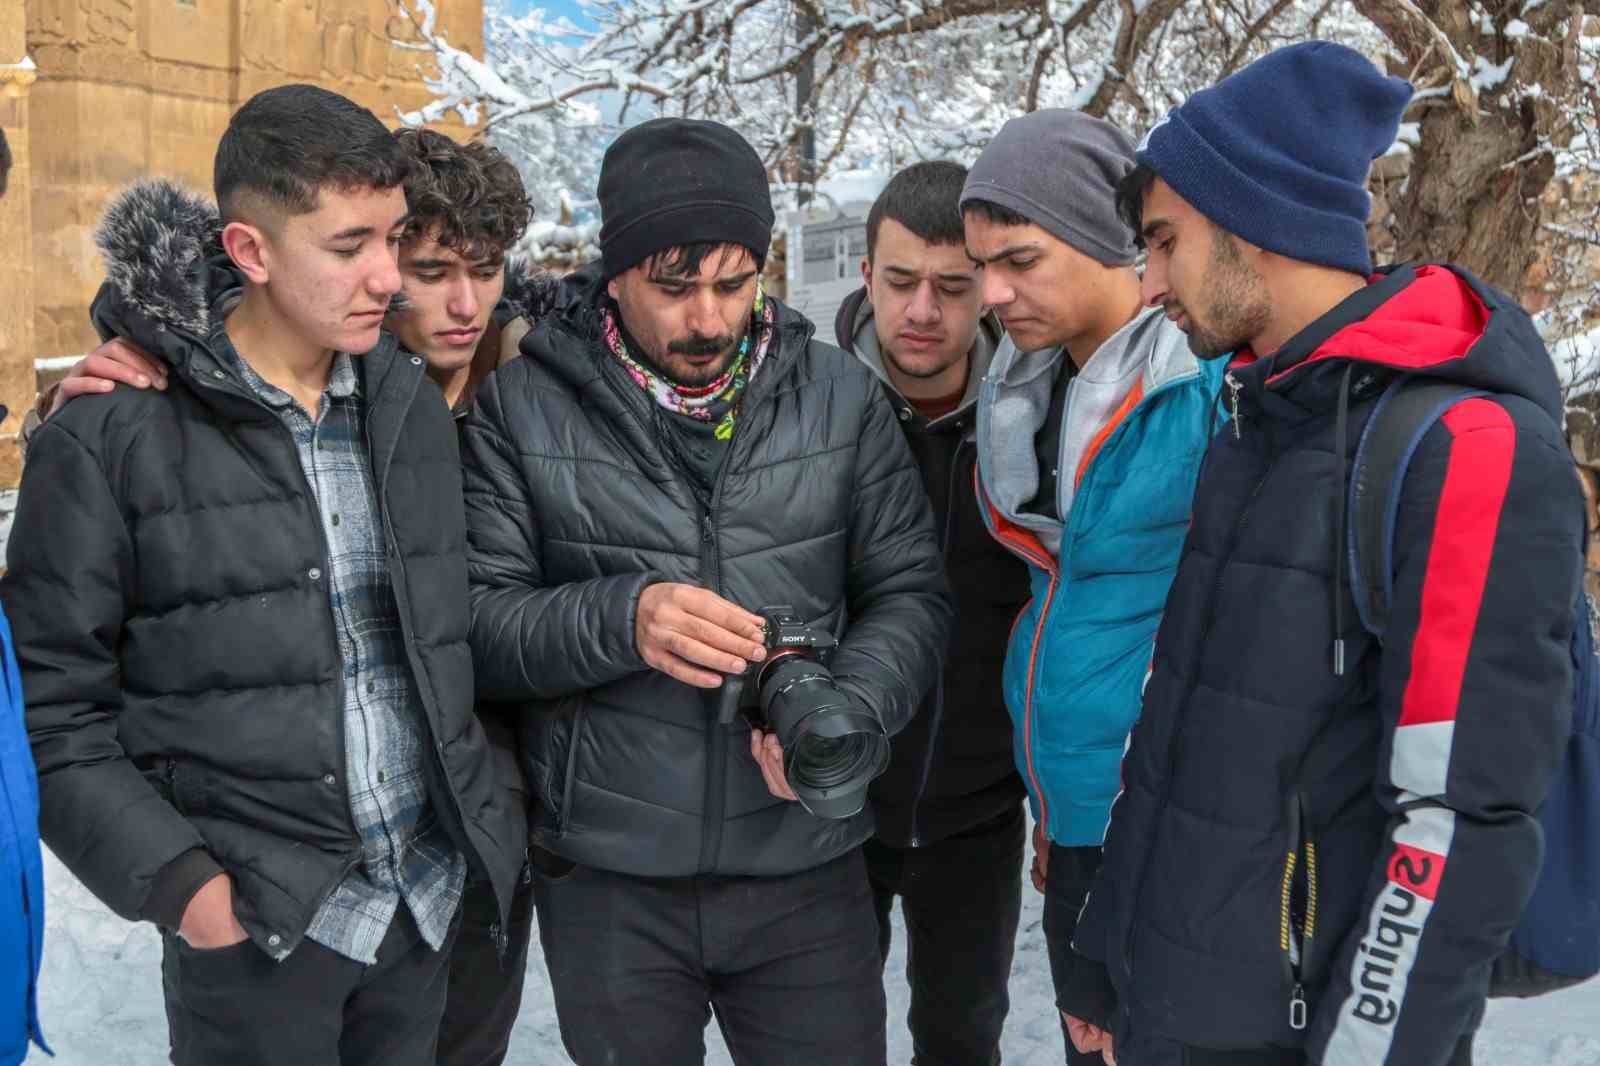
(832, 748)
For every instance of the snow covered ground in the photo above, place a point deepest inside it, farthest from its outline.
(101, 1000)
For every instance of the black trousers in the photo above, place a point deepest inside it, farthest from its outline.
(485, 991)
(1070, 875)
(962, 899)
(235, 1005)
(789, 965)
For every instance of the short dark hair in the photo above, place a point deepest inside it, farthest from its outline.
(1131, 191)
(925, 198)
(5, 162)
(285, 145)
(469, 197)
(1000, 216)
(685, 260)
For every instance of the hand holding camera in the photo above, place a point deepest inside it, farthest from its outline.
(828, 748)
(695, 636)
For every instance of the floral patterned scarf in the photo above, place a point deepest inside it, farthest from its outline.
(717, 402)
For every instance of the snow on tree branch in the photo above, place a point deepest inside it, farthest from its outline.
(1499, 163)
(889, 80)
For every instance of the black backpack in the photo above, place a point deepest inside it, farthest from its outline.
(1557, 942)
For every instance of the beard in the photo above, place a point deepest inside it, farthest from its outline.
(675, 366)
(1236, 307)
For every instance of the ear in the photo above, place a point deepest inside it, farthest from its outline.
(866, 276)
(246, 245)
(614, 287)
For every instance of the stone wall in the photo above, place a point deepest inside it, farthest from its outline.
(133, 88)
(16, 245)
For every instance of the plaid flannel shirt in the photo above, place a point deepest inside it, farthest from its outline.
(406, 854)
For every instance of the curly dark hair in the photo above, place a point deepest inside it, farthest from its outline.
(468, 197)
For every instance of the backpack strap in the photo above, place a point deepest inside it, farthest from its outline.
(1405, 412)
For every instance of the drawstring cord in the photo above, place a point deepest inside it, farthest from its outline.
(1341, 517)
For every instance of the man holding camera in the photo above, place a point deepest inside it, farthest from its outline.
(677, 455)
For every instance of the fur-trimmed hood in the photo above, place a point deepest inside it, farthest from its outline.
(531, 292)
(162, 245)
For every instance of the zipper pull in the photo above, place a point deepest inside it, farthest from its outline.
(1297, 1008)
(1234, 387)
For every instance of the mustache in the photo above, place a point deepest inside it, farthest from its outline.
(701, 345)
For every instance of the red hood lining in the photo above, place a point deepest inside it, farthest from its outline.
(1434, 320)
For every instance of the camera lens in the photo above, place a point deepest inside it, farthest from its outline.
(832, 749)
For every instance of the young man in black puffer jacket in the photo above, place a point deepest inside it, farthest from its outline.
(1324, 841)
(951, 830)
(242, 616)
(676, 453)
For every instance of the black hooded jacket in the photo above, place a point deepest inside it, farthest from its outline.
(173, 626)
(574, 507)
(952, 767)
(1307, 857)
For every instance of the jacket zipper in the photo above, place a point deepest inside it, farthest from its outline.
(1295, 940)
(1234, 388)
(354, 859)
(400, 585)
(938, 689)
(1043, 562)
(717, 757)
(1291, 941)
(711, 566)
(714, 799)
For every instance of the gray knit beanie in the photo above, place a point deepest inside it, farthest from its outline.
(1059, 169)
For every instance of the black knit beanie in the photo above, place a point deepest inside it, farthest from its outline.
(675, 181)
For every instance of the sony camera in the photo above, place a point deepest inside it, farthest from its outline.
(832, 749)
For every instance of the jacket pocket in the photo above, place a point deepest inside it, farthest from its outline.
(569, 772)
(1297, 907)
(182, 788)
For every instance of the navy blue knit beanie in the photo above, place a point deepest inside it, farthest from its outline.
(1278, 152)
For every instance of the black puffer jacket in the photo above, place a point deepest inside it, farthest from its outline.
(574, 508)
(1303, 856)
(953, 767)
(168, 593)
